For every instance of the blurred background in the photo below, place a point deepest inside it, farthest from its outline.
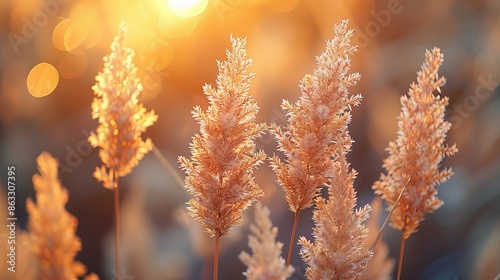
(51, 51)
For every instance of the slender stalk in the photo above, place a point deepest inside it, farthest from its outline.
(216, 256)
(401, 250)
(168, 166)
(379, 234)
(117, 228)
(292, 238)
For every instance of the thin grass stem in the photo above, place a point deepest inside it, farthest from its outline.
(401, 250)
(216, 256)
(379, 234)
(117, 225)
(292, 238)
(168, 166)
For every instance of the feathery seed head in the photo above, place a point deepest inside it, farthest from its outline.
(314, 121)
(266, 261)
(51, 238)
(323, 114)
(219, 172)
(338, 250)
(418, 150)
(122, 119)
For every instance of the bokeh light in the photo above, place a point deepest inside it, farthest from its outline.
(42, 80)
(187, 8)
(73, 37)
(175, 26)
(58, 34)
(68, 35)
(157, 55)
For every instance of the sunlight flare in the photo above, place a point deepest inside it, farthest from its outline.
(187, 8)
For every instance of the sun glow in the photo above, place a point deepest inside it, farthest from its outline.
(187, 8)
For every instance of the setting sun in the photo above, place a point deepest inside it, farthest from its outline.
(187, 8)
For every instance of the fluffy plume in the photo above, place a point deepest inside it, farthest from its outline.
(266, 261)
(318, 131)
(51, 241)
(418, 150)
(122, 119)
(314, 122)
(338, 250)
(219, 172)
